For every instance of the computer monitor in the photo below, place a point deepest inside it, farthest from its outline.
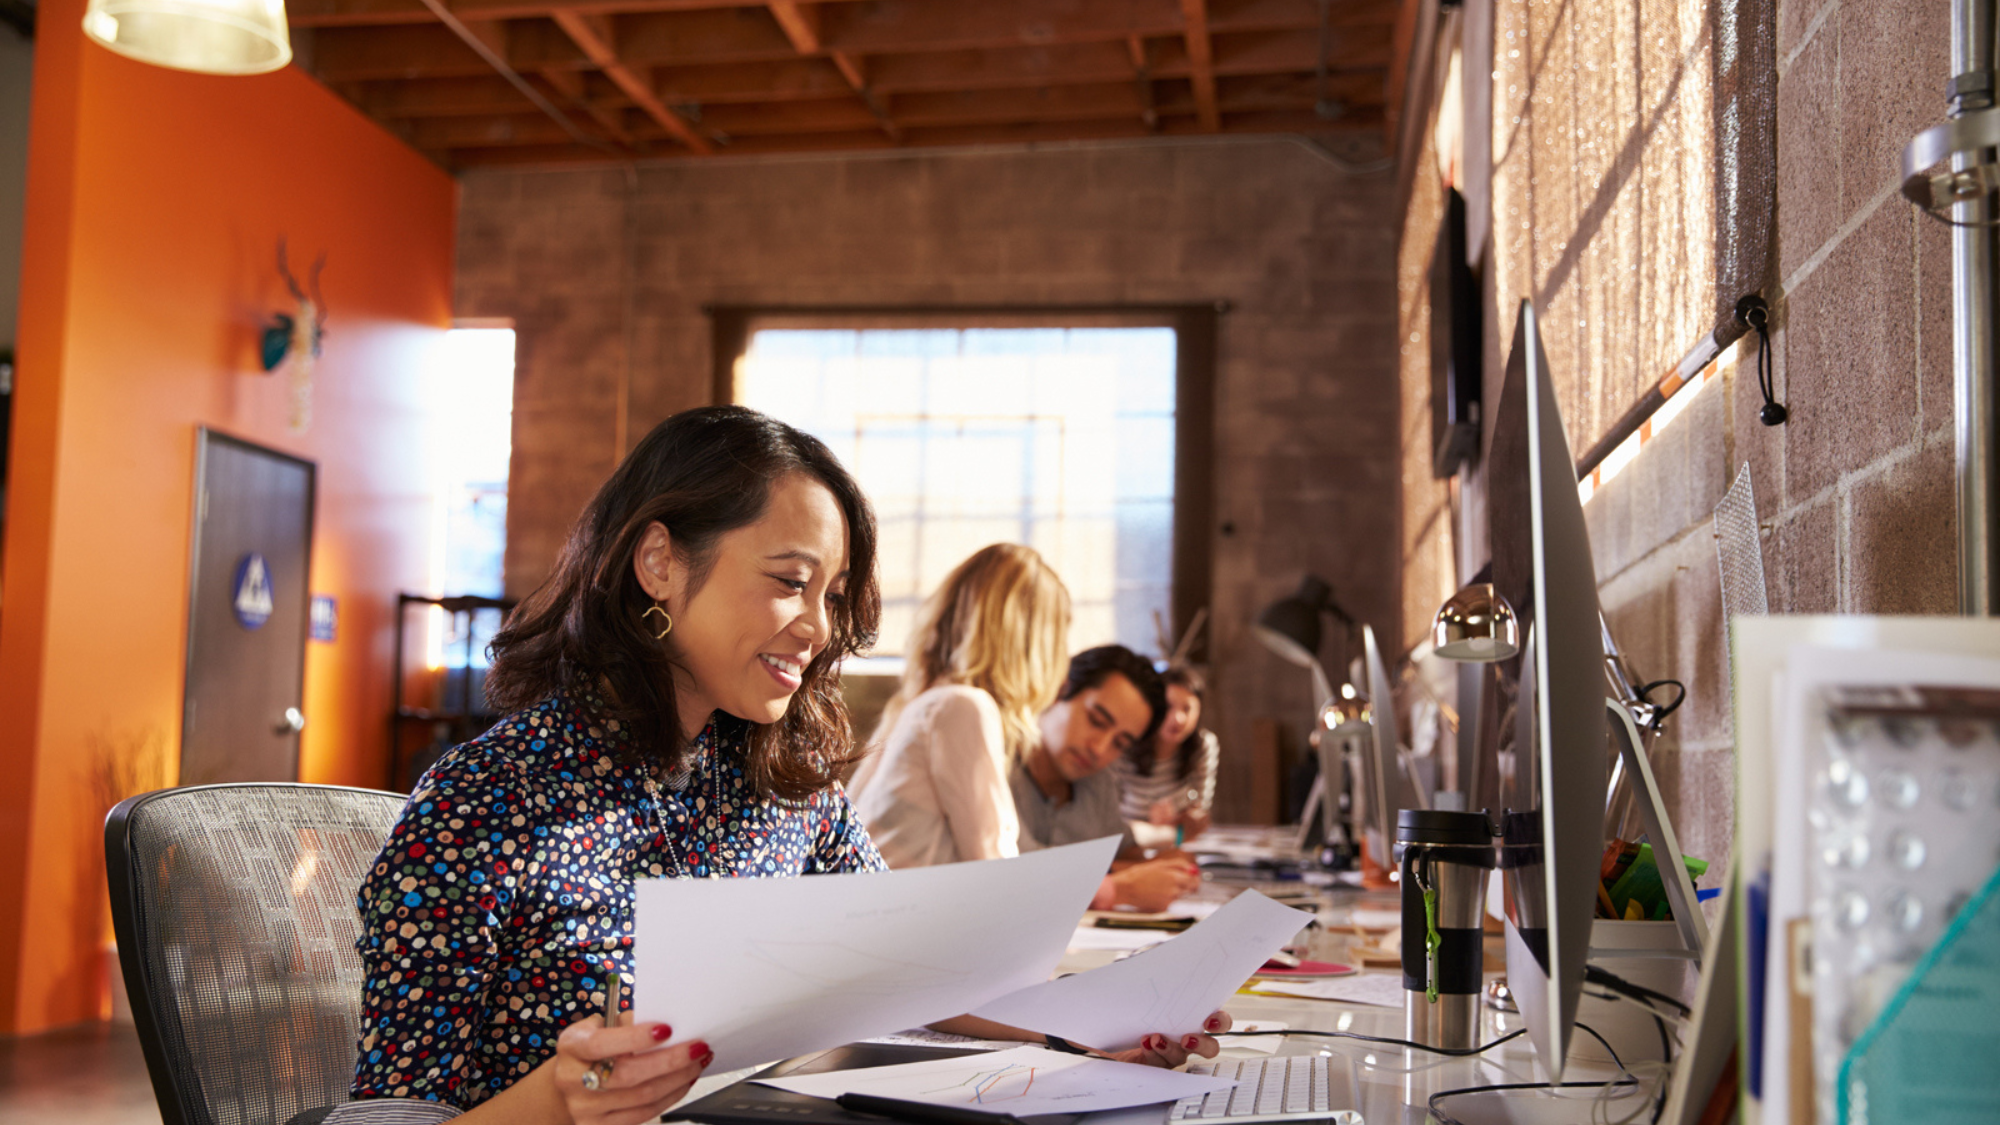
(1388, 790)
(1553, 831)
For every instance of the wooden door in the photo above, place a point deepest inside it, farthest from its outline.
(247, 613)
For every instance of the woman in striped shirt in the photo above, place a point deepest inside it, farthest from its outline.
(1168, 782)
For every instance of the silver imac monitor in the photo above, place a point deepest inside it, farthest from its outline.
(1388, 790)
(1552, 829)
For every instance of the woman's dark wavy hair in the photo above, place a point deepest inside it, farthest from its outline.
(1140, 754)
(701, 473)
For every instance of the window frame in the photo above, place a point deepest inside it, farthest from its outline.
(1196, 329)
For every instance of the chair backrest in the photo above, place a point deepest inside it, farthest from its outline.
(234, 910)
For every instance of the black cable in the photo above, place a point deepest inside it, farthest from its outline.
(1604, 1043)
(1619, 984)
(1453, 1052)
(1660, 713)
(1756, 316)
(1447, 1119)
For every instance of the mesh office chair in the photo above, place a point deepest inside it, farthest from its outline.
(234, 909)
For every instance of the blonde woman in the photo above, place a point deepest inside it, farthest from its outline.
(986, 659)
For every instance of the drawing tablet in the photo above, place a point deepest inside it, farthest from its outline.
(750, 1103)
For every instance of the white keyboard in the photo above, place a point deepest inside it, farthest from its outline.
(1277, 1088)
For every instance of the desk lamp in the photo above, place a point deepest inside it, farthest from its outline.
(1476, 624)
(1290, 627)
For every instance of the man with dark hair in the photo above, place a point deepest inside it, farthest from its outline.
(1063, 793)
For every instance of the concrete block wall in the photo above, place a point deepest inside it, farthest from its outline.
(1855, 494)
(605, 273)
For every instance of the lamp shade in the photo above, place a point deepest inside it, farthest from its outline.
(1476, 624)
(206, 36)
(1290, 625)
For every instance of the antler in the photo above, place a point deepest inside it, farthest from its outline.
(285, 271)
(319, 300)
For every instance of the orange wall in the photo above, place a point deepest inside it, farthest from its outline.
(155, 203)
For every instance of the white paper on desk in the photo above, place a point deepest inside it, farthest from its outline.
(1117, 941)
(1255, 1044)
(1385, 989)
(1024, 1081)
(1170, 988)
(765, 969)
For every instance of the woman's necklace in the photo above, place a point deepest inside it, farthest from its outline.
(678, 781)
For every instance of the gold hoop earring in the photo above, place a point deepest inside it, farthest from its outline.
(669, 618)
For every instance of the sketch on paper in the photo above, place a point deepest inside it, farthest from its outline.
(1024, 1081)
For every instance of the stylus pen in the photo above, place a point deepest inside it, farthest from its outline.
(924, 1113)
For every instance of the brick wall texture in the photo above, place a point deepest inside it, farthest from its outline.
(1855, 494)
(605, 274)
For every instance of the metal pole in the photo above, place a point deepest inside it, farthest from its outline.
(1973, 291)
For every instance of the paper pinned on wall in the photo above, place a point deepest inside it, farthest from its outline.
(1170, 988)
(1024, 1082)
(765, 969)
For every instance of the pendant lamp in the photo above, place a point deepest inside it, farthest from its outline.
(205, 36)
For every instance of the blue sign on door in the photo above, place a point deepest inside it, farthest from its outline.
(252, 598)
(323, 619)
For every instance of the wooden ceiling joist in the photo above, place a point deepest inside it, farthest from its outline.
(792, 79)
(800, 23)
(465, 79)
(593, 35)
(1201, 62)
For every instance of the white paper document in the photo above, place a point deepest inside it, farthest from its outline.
(1119, 941)
(1254, 1044)
(1170, 988)
(1385, 989)
(764, 969)
(1024, 1081)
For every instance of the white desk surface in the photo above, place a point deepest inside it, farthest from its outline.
(1396, 1083)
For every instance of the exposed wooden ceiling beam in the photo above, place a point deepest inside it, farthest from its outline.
(356, 13)
(789, 80)
(841, 115)
(1367, 121)
(736, 35)
(573, 88)
(1201, 62)
(927, 25)
(437, 97)
(1056, 103)
(801, 25)
(342, 54)
(995, 67)
(1142, 79)
(593, 35)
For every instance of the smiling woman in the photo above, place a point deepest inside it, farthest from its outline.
(674, 716)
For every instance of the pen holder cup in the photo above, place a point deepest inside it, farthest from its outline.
(1648, 954)
(1445, 860)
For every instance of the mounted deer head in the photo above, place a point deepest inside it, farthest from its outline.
(298, 336)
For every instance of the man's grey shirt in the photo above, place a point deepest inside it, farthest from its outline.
(1090, 813)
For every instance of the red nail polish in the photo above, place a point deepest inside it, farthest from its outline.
(701, 1054)
(1191, 1042)
(1213, 1024)
(662, 1033)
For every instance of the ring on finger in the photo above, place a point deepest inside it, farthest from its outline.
(599, 1073)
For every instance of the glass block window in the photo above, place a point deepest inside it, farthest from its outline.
(1059, 438)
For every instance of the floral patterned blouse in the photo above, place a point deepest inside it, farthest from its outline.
(504, 892)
